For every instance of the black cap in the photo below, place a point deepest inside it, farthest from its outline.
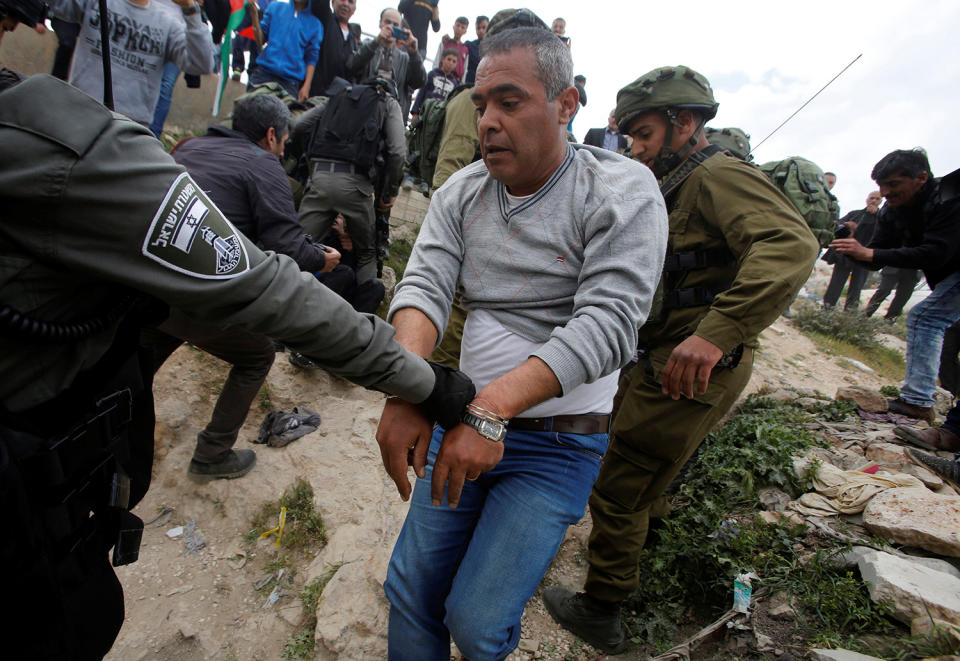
(28, 12)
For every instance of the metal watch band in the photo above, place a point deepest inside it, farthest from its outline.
(490, 430)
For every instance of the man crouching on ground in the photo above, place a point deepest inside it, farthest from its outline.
(557, 250)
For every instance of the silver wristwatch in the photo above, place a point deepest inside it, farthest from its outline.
(494, 431)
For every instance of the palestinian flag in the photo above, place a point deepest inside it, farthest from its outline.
(238, 11)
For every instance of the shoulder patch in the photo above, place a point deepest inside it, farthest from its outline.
(190, 235)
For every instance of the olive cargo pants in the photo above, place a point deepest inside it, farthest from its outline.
(651, 439)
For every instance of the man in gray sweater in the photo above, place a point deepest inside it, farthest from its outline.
(144, 36)
(557, 250)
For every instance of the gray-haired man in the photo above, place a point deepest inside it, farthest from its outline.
(557, 250)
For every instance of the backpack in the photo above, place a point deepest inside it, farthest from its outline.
(803, 183)
(423, 143)
(736, 141)
(349, 128)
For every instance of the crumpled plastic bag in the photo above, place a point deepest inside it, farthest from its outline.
(280, 428)
(844, 492)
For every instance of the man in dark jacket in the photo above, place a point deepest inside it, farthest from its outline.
(609, 137)
(336, 47)
(240, 171)
(860, 224)
(918, 228)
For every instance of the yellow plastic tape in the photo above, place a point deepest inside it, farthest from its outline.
(278, 531)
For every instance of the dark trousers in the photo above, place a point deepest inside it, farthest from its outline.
(250, 355)
(904, 280)
(66, 42)
(651, 439)
(364, 297)
(950, 362)
(843, 269)
(241, 44)
(952, 423)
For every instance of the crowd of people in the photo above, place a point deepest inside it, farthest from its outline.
(570, 326)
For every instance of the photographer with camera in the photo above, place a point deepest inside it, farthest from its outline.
(393, 56)
(860, 225)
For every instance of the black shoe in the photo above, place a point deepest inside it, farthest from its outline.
(237, 464)
(948, 469)
(299, 360)
(596, 622)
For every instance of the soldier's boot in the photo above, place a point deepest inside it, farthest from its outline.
(237, 464)
(597, 622)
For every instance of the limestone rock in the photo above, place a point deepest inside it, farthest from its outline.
(865, 398)
(773, 499)
(930, 479)
(916, 517)
(926, 625)
(886, 454)
(912, 589)
(839, 655)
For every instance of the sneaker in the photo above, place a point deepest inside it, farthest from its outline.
(237, 464)
(596, 622)
(901, 407)
(299, 360)
(425, 188)
(235, 76)
(948, 469)
(408, 182)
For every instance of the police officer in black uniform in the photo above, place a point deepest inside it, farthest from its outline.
(102, 232)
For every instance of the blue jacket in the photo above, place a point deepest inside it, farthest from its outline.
(293, 40)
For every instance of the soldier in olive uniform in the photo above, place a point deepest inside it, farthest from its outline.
(738, 252)
(96, 219)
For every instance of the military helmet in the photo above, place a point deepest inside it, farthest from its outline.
(734, 140)
(677, 87)
(507, 19)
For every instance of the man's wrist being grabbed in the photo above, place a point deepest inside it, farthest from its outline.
(488, 424)
(452, 391)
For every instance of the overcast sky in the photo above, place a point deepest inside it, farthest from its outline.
(764, 59)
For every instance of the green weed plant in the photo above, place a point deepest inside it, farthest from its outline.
(712, 534)
(304, 529)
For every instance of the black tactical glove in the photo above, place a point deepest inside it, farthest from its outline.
(451, 393)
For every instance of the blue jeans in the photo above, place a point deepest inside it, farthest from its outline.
(170, 75)
(467, 573)
(258, 76)
(926, 324)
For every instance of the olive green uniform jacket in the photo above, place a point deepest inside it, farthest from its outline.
(460, 142)
(723, 204)
(90, 201)
(726, 203)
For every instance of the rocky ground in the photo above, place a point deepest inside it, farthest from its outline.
(193, 595)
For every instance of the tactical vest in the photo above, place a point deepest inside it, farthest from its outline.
(349, 128)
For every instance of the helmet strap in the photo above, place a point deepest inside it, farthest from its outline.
(668, 160)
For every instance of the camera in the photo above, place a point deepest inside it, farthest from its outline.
(842, 232)
(399, 33)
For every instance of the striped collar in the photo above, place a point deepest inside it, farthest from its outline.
(507, 213)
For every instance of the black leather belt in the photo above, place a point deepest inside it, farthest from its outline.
(334, 166)
(584, 423)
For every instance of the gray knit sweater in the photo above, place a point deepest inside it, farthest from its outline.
(575, 266)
